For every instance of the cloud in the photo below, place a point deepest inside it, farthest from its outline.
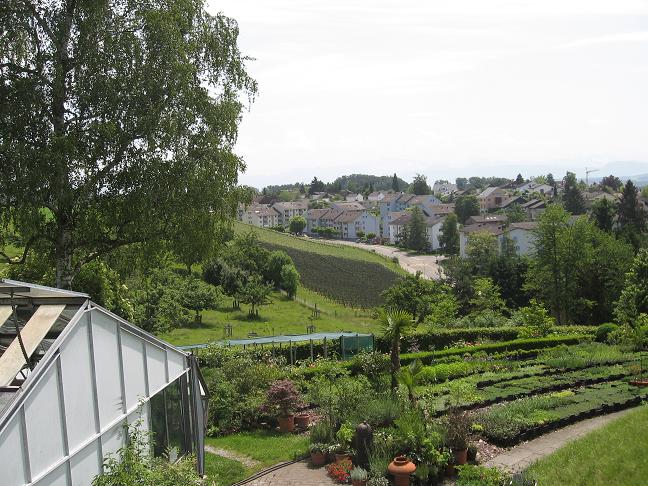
(626, 37)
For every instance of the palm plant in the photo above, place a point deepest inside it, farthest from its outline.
(394, 324)
(410, 376)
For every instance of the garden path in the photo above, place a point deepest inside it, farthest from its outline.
(300, 473)
(245, 460)
(522, 456)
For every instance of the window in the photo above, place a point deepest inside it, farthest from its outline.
(170, 421)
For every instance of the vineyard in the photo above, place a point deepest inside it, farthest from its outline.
(353, 283)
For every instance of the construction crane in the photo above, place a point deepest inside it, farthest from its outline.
(587, 173)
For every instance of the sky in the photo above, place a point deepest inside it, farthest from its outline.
(445, 88)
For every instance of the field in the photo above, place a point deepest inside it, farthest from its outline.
(348, 275)
(283, 316)
(615, 454)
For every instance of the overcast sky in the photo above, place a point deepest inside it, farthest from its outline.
(446, 88)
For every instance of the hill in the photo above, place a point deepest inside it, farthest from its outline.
(352, 276)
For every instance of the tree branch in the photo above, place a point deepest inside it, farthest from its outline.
(28, 246)
(41, 22)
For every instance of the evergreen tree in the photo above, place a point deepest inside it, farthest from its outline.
(603, 214)
(572, 197)
(461, 182)
(416, 231)
(632, 219)
(420, 186)
(395, 184)
(519, 180)
(449, 237)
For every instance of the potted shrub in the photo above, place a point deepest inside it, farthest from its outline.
(457, 433)
(344, 437)
(318, 452)
(283, 397)
(358, 476)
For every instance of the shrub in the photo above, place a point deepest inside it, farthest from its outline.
(470, 475)
(583, 355)
(536, 320)
(603, 331)
(282, 396)
(322, 433)
(134, 466)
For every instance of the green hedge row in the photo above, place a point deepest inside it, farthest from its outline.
(440, 338)
(428, 357)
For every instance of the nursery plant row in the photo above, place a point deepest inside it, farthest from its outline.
(524, 387)
(508, 424)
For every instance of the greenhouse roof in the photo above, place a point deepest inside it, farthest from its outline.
(291, 338)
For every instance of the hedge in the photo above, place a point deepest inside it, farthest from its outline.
(519, 344)
(440, 338)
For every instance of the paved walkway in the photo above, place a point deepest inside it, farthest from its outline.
(298, 474)
(426, 264)
(521, 456)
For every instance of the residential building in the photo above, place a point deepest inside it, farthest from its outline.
(376, 196)
(534, 208)
(443, 188)
(260, 215)
(492, 198)
(531, 187)
(73, 376)
(497, 219)
(288, 210)
(354, 197)
(519, 234)
(439, 209)
(348, 223)
(347, 205)
(432, 228)
(399, 201)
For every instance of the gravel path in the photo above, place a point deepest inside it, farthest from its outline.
(245, 460)
(428, 265)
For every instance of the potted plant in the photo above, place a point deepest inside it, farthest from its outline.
(302, 420)
(344, 437)
(340, 471)
(401, 468)
(283, 397)
(358, 476)
(457, 433)
(318, 453)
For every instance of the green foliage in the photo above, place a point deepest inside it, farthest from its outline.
(420, 297)
(465, 207)
(603, 331)
(394, 324)
(255, 293)
(572, 196)
(582, 355)
(486, 297)
(322, 433)
(105, 288)
(632, 217)
(470, 475)
(515, 213)
(634, 297)
(415, 232)
(139, 155)
(535, 318)
(289, 280)
(449, 237)
(419, 186)
(297, 224)
(133, 466)
(603, 214)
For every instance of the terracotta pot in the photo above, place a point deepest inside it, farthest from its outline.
(287, 424)
(359, 482)
(401, 468)
(318, 458)
(341, 457)
(302, 420)
(460, 456)
(639, 383)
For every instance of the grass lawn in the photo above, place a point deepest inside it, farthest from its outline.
(268, 448)
(222, 471)
(12, 252)
(283, 316)
(615, 454)
(319, 247)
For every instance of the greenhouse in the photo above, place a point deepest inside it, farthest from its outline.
(74, 376)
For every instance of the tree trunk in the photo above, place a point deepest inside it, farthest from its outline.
(64, 264)
(395, 362)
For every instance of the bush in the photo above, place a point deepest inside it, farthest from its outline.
(603, 331)
(470, 475)
(134, 466)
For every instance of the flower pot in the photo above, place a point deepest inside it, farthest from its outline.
(318, 458)
(287, 424)
(401, 468)
(341, 457)
(302, 420)
(460, 456)
(359, 482)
